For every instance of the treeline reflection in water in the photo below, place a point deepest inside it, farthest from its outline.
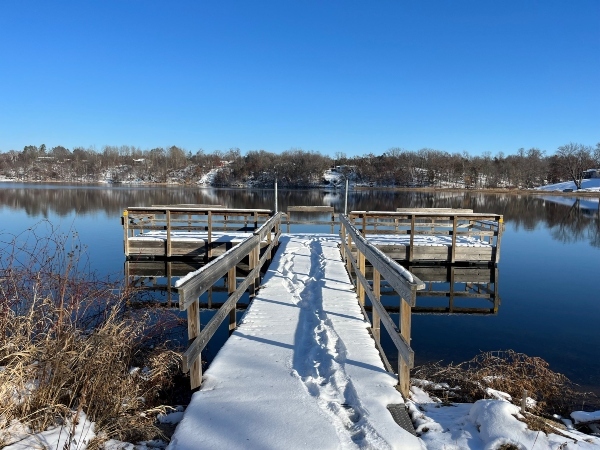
(570, 219)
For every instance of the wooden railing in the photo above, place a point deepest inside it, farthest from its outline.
(487, 228)
(176, 221)
(401, 280)
(195, 284)
(312, 210)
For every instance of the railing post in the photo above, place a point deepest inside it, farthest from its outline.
(364, 225)
(499, 237)
(376, 324)
(451, 302)
(126, 232)
(346, 199)
(256, 252)
(168, 234)
(169, 277)
(343, 236)
(251, 266)
(193, 320)
(209, 238)
(349, 257)
(361, 268)
(332, 221)
(411, 248)
(403, 367)
(276, 197)
(454, 227)
(231, 287)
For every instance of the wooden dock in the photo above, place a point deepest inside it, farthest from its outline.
(426, 235)
(312, 332)
(303, 359)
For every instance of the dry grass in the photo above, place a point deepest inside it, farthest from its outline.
(68, 344)
(510, 372)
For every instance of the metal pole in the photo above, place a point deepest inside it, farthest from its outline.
(276, 197)
(346, 202)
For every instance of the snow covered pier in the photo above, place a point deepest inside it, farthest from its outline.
(302, 369)
(433, 235)
(305, 366)
(187, 231)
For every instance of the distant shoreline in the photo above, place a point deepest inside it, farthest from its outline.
(592, 194)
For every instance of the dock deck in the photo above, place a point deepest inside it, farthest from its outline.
(301, 370)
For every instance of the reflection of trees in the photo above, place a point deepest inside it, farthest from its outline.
(572, 226)
(568, 224)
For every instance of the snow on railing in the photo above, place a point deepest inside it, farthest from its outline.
(401, 280)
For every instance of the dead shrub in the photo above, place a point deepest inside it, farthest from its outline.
(509, 372)
(67, 343)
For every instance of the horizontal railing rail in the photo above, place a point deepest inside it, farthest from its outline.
(191, 287)
(181, 222)
(487, 228)
(403, 282)
(329, 210)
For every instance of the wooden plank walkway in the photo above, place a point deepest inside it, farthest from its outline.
(301, 370)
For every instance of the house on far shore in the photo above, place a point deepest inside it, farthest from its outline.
(591, 173)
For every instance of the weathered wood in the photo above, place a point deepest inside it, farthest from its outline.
(404, 364)
(193, 320)
(162, 210)
(209, 241)
(434, 210)
(399, 341)
(411, 248)
(125, 221)
(361, 269)
(168, 249)
(389, 269)
(376, 323)
(211, 273)
(310, 209)
(499, 238)
(189, 205)
(194, 350)
(453, 249)
(231, 287)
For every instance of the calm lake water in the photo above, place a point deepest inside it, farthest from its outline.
(549, 269)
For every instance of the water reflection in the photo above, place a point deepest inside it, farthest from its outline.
(577, 221)
(547, 244)
(570, 218)
(451, 289)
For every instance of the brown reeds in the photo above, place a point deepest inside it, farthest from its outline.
(68, 344)
(505, 371)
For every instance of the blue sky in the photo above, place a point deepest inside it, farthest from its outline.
(352, 76)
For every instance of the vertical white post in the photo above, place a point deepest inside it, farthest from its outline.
(346, 202)
(276, 197)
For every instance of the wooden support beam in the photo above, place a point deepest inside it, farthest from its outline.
(209, 238)
(125, 220)
(231, 287)
(411, 250)
(361, 269)
(168, 250)
(376, 323)
(404, 365)
(453, 248)
(193, 320)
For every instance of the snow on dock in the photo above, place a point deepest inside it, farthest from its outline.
(301, 370)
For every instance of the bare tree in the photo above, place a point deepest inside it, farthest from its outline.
(573, 159)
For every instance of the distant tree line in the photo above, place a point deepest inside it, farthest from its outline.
(396, 167)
